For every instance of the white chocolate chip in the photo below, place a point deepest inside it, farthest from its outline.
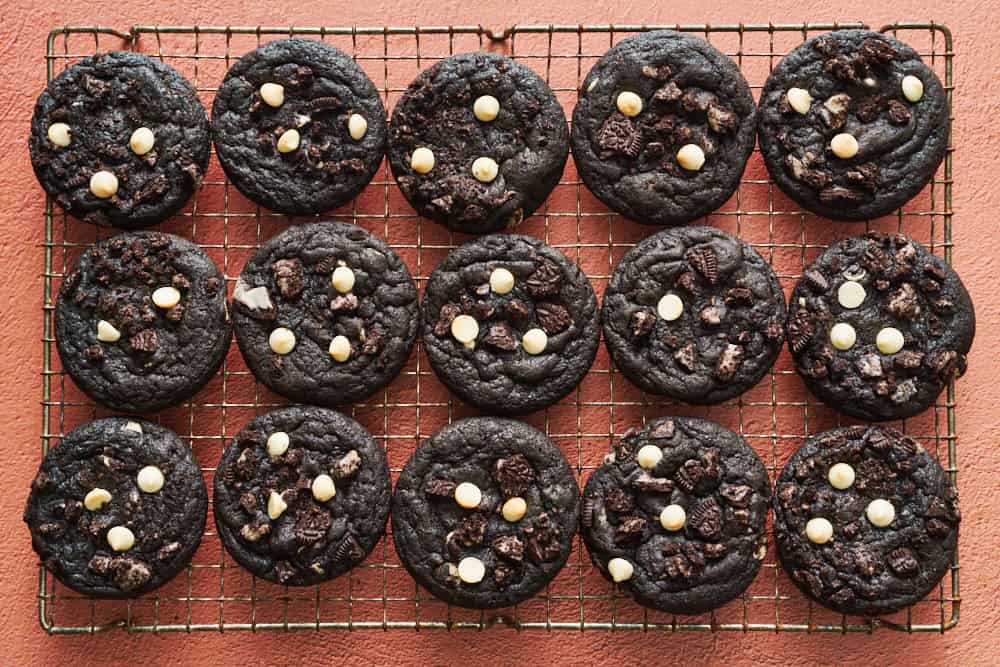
(514, 509)
(465, 328)
(468, 495)
(106, 332)
(844, 145)
(340, 348)
(150, 479)
(60, 134)
(760, 552)
(534, 341)
(166, 297)
(841, 476)
(277, 443)
(323, 488)
(357, 126)
(273, 94)
(889, 340)
(620, 570)
(691, 157)
(485, 169)
(629, 103)
(281, 340)
(501, 281)
(593, 84)
(471, 570)
(103, 184)
(133, 426)
(672, 517)
(120, 538)
(343, 279)
(142, 141)
(913, 88)
(257, 298)
(670, 307)
(869, 82)
(843, 336)
(880, 512)
(799, 99)
(96, 499)
(422, 160)
(289, 141)
(276, 505)
(648, 456)
(486, 108)
(851, 294)
(819, 530)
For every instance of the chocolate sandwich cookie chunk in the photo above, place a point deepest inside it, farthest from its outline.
(510, 324)
(298, 127)
(663, 128)
(675, 515)
(484, 512)
(117, 508)
(301, 495)
(865, 520)
(878, 326)
(325, 313)
(141, 321)
(695, 314)
(477, 142)
(119, 139)
(853, 124)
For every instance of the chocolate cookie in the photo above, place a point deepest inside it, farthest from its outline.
(141, 321)
(484, 512)
(325, 313)
(510, 324)
(478, 141)
(298, 127)
(117, 508)
(663, 128)
(865, 520)
(878, 326)
(119, 139)
(695, 314)
(853, 124)
(676, 515)
(301, 495)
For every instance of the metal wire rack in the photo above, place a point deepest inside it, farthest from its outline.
(216, 594)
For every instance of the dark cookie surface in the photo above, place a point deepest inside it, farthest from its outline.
(727, 309)
(550, 298)
(322, 87)
(70, 519)
(161, 356)
(528, 140)
(103, 99)
(690, 94)
(270, 511)
(713, 548)
(865, 569)
(434, 535)
(288, 285)
(900, 291)
(854, 81)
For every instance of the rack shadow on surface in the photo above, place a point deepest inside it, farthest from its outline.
(214, 593)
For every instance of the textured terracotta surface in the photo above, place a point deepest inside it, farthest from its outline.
(977, 139)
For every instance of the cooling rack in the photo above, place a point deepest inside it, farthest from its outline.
(214, 593)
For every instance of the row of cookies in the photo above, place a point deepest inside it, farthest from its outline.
(484, 512)
(852, 124)
(327, 314)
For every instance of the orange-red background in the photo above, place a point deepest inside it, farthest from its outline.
(977, 141)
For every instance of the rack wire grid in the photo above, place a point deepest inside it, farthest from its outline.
(775, 417)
